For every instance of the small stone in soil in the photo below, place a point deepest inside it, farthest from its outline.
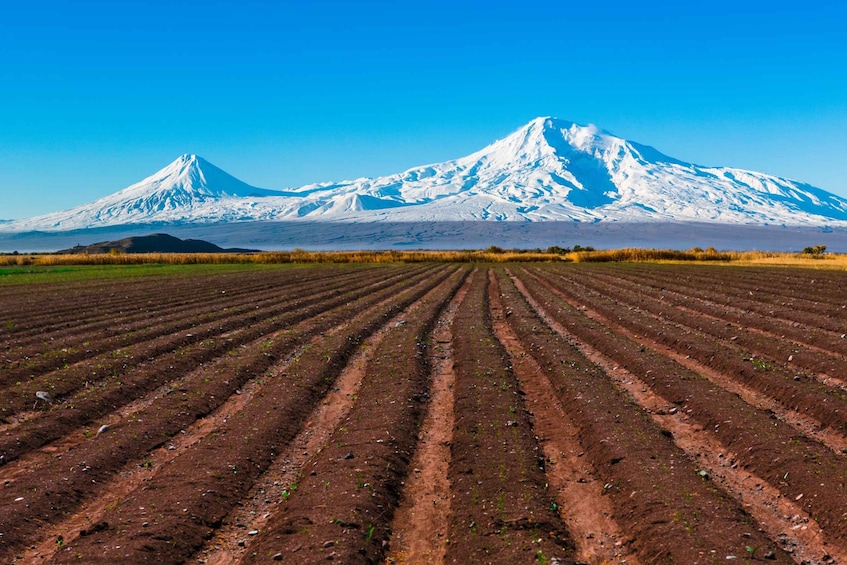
(45, 396)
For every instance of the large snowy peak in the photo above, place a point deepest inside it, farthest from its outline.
(551, 159)
(550, 169)
(547, 162)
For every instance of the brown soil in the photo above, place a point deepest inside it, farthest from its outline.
(95, 460)
(420, 524)
(229, 543)
(774, 513)
(420, 414)
(501, 509)
(672, 513)
(759, 438)
(343, 503)
(760, 364)
(577, 488)
(250, 439)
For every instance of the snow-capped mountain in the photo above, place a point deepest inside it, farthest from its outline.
(548, 170)
(552, 169)
(184, 191)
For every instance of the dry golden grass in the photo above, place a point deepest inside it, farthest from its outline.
(276, 257)
(828, 261)
(760, 258)
(491, 255)
(634, 255)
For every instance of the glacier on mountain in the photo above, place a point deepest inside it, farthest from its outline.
(548, 170)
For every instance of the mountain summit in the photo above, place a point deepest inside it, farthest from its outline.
(548, 170)
(191, 178)
(552, 169)
(187, 190)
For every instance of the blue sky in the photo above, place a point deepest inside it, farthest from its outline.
(96, 95)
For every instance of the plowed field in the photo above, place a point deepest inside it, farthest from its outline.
(533, 413)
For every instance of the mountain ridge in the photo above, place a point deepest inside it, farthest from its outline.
(547, 170)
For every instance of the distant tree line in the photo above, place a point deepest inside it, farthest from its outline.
(552, 250)
(814, 250)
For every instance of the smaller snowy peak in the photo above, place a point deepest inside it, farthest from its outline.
(192, 175)
(188, 166)
(187, 189)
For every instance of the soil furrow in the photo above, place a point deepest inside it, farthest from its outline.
(822, 406)
(347, 493)
(817, 288)
(814, 350)
(418, 413)
(133, 476)
(727, 288)
(62, 490)
(767, 447)
(73, 346)
(99, 307)
(806, 336)
(257, 503)
(251, 441)
(198, 324)
(263, 347)
(670, 511)
(419, 529)
(578, 490)
(806, 425)
(95, 401)
(229, 544)
(786, 523)
(501, 509)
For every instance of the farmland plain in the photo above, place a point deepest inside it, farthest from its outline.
(425, 413)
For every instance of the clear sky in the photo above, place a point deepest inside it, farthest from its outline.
(96, 95)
